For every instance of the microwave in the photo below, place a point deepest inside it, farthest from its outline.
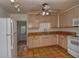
(76, 22)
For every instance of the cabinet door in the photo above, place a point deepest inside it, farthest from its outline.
(75, 13)
(78, 11)
(66, 19)
(69, 16)
(61, 20)
(45, 40)
(33, 41)
(62, 41)
(30, 42)
(36, 42)
(48, 40)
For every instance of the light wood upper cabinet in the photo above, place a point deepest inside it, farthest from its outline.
(66, 19)
(76, 12)
(69, 19)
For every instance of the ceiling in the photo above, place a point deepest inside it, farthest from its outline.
(35, 5)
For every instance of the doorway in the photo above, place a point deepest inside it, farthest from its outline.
(22, 35)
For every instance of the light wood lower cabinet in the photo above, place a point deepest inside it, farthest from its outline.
(36, 42)
(33, 41)
(42, 40)
(62, 41)
(30, 42)
(47, 40)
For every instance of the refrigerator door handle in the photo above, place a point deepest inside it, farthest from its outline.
(11, 35)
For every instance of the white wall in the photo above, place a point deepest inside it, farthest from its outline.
(3, 13)
(19, 17)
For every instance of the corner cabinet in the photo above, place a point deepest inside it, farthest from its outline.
(62, 41)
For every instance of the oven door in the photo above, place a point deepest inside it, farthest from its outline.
(73, 46)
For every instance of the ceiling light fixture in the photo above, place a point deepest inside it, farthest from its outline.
(45, 6)
(47, 13)
(17, 5)
(43, 13)
(12, 1)
(18, 9)
(45, 9)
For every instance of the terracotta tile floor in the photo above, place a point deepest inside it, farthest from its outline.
(44, 52)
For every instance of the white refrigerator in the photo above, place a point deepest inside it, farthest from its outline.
(8, 38)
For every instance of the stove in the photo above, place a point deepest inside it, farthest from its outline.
(73, 46)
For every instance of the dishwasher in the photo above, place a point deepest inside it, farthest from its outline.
(73, 46)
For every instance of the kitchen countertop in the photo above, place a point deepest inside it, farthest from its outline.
(52, 32)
